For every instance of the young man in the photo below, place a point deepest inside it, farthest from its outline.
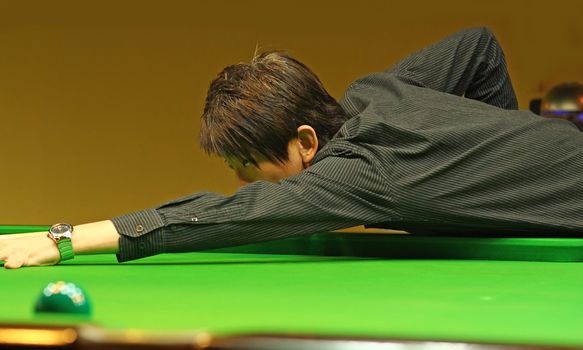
(434, 143)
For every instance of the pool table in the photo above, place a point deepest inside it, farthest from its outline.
(324, 291)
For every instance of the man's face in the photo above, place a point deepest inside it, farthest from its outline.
(300, 150)
(267, 170)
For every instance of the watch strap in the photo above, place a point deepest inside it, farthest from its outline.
(65, 249)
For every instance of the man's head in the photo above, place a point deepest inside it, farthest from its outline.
(268, 118)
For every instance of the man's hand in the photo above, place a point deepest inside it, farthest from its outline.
(37, 249)
(28, 249)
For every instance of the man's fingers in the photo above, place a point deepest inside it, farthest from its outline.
(3, 254)
(13, 262)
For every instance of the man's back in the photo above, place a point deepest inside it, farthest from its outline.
(456, 163)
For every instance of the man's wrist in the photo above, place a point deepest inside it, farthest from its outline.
(95, 238)
(62, 235)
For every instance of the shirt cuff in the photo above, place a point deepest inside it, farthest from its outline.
(141, 234)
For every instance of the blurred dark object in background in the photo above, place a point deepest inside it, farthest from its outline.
(534, 105)
(564, 101)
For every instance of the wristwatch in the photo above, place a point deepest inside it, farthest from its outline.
(62, 234)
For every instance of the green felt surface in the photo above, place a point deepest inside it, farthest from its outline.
(335, 288)
(414, 247)
(22, 228)
(407, 246)
(225, 293)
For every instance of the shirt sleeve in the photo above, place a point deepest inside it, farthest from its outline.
(336, 192)
(469, 63)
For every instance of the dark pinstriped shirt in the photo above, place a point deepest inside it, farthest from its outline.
(434, 143)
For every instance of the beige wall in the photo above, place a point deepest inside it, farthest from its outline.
(100, 102)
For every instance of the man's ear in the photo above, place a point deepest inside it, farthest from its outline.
(308, 144)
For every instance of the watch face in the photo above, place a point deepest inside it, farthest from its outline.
(60, 229)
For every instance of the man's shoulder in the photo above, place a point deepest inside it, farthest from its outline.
(381, 90)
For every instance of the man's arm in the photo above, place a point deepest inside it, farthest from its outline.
(334, 193)
(36, 248)
(470, 63)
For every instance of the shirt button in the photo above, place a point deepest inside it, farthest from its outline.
(139, 228)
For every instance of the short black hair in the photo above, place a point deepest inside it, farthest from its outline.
(253, 110)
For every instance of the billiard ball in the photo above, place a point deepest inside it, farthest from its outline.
(63, 297)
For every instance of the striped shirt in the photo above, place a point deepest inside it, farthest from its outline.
(435, 143)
